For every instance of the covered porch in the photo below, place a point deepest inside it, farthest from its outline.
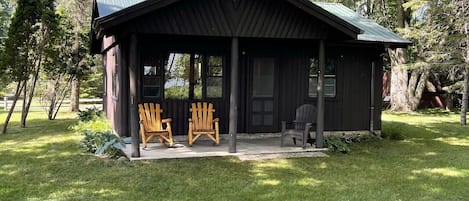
(249, 147)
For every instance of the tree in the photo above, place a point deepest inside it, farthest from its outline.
(32, 25)
(5, 13)
(57, 65)
(460, 36)
(79, 10)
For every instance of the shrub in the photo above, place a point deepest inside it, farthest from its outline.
(97, 125)
(392, 132)
(336, 144)
(102, 143)
(89, 114)
(97, 135)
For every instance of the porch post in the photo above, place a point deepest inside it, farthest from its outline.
(320, 111)
(372, 98)
(133, 97)
(233, 127)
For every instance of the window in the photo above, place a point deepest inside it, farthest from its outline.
(105, 76)
(177, 76)
(115, 75)
(329, 78)
(215, 77)
(152, 81)
(186, 76)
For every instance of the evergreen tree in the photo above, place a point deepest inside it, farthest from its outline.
(32, 25)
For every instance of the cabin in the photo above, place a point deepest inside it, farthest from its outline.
(255, 60)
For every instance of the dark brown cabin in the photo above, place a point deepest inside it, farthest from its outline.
(255, 60)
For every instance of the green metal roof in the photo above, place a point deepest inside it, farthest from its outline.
(107, 7)
(372, 31)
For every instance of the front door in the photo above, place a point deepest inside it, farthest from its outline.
(262, 103)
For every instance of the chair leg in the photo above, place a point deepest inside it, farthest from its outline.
(281, 140)
(144, 141)
(189, 134)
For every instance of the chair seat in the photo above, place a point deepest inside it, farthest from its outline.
(293, 132)
(203, 131)
(159, 131)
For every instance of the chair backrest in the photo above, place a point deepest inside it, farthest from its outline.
(305, 113)
(150, 115)
(202, 115)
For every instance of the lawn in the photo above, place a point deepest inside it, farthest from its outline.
(44, 162)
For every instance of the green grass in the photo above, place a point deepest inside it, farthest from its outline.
(44, 162)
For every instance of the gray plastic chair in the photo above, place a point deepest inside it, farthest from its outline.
(304, 121)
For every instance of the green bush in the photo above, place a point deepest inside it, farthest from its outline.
(392, 132)
(102, 143)
(336, 144)
(97, 125)
(89, 114)
(97, 135)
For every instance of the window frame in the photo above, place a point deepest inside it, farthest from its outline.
(331, 76)
(196, 58)
(115, 85)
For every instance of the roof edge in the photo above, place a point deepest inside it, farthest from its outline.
(327, 17)
(102, 23)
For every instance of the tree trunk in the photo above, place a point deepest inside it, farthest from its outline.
(28, 99)
(416, 87)
(466, 78)
(465, 96)
(399, 81)
(19, 89)
(23, 124)
(75, 96)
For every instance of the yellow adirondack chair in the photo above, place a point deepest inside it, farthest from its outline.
(203, 123)
(151, 124)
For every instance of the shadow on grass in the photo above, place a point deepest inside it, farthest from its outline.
(429, 164)
(436, 112)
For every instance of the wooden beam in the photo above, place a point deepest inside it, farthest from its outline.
(372, 97)
(133, 95)
(233, 127)
(320, 114)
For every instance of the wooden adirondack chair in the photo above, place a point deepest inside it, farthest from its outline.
(305, 119)
(202, 123)
(151, 124)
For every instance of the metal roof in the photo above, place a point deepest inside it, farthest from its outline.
(372, 31)
(107, 7)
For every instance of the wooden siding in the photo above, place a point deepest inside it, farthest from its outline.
(178, 110)
(225, 18)
(348, 111)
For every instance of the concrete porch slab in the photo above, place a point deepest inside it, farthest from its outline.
(247, 149)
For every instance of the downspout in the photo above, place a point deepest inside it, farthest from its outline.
(372, 98)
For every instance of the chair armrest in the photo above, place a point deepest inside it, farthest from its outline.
(168, 120)
(216, 120)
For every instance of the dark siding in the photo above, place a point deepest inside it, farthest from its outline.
(348, 111)
(247, 18)
(178, 110)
